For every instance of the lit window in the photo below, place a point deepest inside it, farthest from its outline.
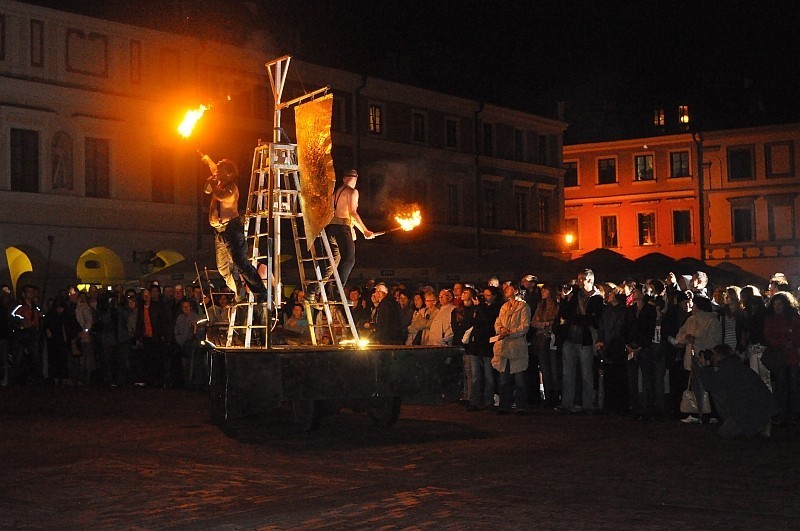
(606, 171)
(570, 174)
(681, 226)
(647, 228)
(571, 231)
(683, 114)
(376, 119)
(644, 167)
(608, 226)
(679, 164)
(658, 118)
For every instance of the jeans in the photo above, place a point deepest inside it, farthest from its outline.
(231, 247)
(574, 354)
(551, 376)
(513, 387)
(482, 376)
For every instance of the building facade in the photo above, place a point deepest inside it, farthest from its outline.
(643, 195)
(98, 187)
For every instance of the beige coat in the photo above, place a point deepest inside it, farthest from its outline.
(515, 315)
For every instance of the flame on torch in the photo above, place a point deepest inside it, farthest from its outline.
(185, 129)
(409, 222)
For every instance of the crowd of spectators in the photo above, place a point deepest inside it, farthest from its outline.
(587, 346)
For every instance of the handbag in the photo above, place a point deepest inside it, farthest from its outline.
(774, 359)
(689, 400)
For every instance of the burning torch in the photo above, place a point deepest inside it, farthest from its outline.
(406, 222)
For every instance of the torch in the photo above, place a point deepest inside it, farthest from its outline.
(407, 222)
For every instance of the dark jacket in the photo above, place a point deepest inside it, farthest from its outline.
(387, 329)
(569, 312)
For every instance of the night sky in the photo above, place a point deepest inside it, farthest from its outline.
(734, 63)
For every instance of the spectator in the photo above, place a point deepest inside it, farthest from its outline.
(638, 331)
(782, 333)
(186, 338)
(701, 331)
(611, 347)
(386, 328)
(742, 400)
(421, 322)
(441, 331)
(579, 313)
(544, 319)
(511, 350)
(777, 283)
(730, 317)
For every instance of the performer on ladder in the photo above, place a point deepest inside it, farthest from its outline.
(341, 231)
(229, 239)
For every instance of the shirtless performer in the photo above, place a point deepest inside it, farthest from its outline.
(340, 230)
(229, 241)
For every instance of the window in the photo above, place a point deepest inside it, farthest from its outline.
(453, 204)
(419, 127)
(451, 133)
(683, 114)
(162, 175)
(644, 167)
(571, 233)
(24, 160)
(544, 213)
(521, 210)
(519, 149)
(608, 227)
(488, 141)
(647, 228)
(543, 150)
(681, 226)
(375, 119)
(781, 218)
(606, 171)
(743, 228)
(571, 174)
(740, 163)
(97, 167)
(679, 164)
(780, 159)
(489, 208)
(658, 118)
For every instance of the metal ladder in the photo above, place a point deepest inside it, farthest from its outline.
(275, 168)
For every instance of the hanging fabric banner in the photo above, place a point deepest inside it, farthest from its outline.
(317, 178)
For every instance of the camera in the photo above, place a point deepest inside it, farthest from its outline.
(706, 354)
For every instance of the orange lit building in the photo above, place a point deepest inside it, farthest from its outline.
(643, 195)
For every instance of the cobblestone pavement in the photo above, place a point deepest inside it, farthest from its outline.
(149, 458)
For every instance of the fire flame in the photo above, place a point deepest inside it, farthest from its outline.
(185, 129)
(408, 222)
